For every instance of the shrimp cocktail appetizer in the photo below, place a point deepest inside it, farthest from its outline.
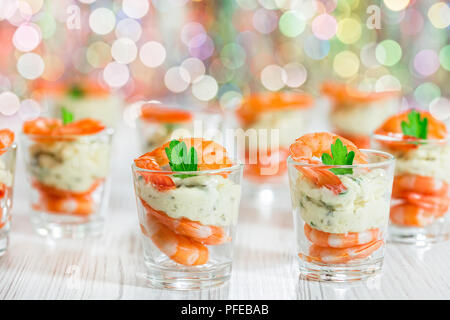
(285, 112)
(68, 164)
(340, 197)
(86, 99)
(420, 197)
(356, 114)
(7, 168)
(159, 124)
(188, 193)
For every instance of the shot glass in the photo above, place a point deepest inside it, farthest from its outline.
(68, 176)
(341, 234)
(158, 124)
(356, 114)
(420, 196)
(189, 230)
(7, 171)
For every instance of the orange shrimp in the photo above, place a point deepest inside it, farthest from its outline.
(360, 140)
(178, 248)
(159, 113)
(343, 94)
(393, 126)
(161, 181)
(436, 205)
(314, 145)
(6, 139)
(420, 184)
(209, 235)
(411, 215)
(264, 162)
(342, 255)
(340, 240)
(257, 103)
(211, 155)
(52, 191)
(2, 190)
(79, 206)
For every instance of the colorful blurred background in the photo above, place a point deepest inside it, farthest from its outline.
(210, 54)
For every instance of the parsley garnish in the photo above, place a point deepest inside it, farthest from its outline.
(67, 116)
(340, 157)
(416, 127)
(180, 159)
(76, 92)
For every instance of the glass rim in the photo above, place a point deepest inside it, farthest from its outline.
(389, 160)
(11, 147)
(238, 165)
(384, 137)
(107, 131)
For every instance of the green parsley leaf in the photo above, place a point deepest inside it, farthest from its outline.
(415, 127)
(181, 159)
(76, 92)
(339, 157)
(67, 116)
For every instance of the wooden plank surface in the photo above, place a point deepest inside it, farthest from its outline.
(110, 267)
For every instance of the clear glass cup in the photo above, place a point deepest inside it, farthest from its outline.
(341, 234)
(69, 183)
(420, 198)
(7, 172)
(188, 231)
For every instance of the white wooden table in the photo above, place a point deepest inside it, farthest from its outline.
(264, 267)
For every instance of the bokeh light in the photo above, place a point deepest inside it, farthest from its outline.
(349, 30)
(292, 23)
(98, 54)
(426, 93)
(129, 28)
(426, 62)
(388, 52)
(177, 79)
(29, 110)
(439, 15)
(27, 37)
(440, 108)
(30, 66)
(444, 57)
(116, 74)
(124, 50)
(152, 54)
(135, 8)
(233, 56)
(9, 103)
(102, 21)
(324, 26)
(388, 83)
(346, 64)
(296, 74)
(396, 5)
(194, 67)
(265, 21)
(273, 77)
(205, 88)
(315, 48)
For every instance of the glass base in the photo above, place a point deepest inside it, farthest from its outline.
(165, 276)
(4, 241)
(339, 272)
(60, 226)
(416, 236)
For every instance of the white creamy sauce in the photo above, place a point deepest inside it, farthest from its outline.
(363, 206)
(105, 109)
(6, 176)
(291, 123)
(208, 199)
(70, 165)
(426, 160)
(364, 119)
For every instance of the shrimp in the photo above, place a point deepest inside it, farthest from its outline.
(410, 215)
(160, 181)
(6, 139)
(267, 162)
(344, 94)
(340, 240)
(158, 113)
(436, 205)
(52, 191)
(209, 235)
(393, 126)
(360, 140)
(79, 206)
(314, 145)
(420, 184)
(177, 247)
(211, 155)
(255, 104)
(342, 255)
